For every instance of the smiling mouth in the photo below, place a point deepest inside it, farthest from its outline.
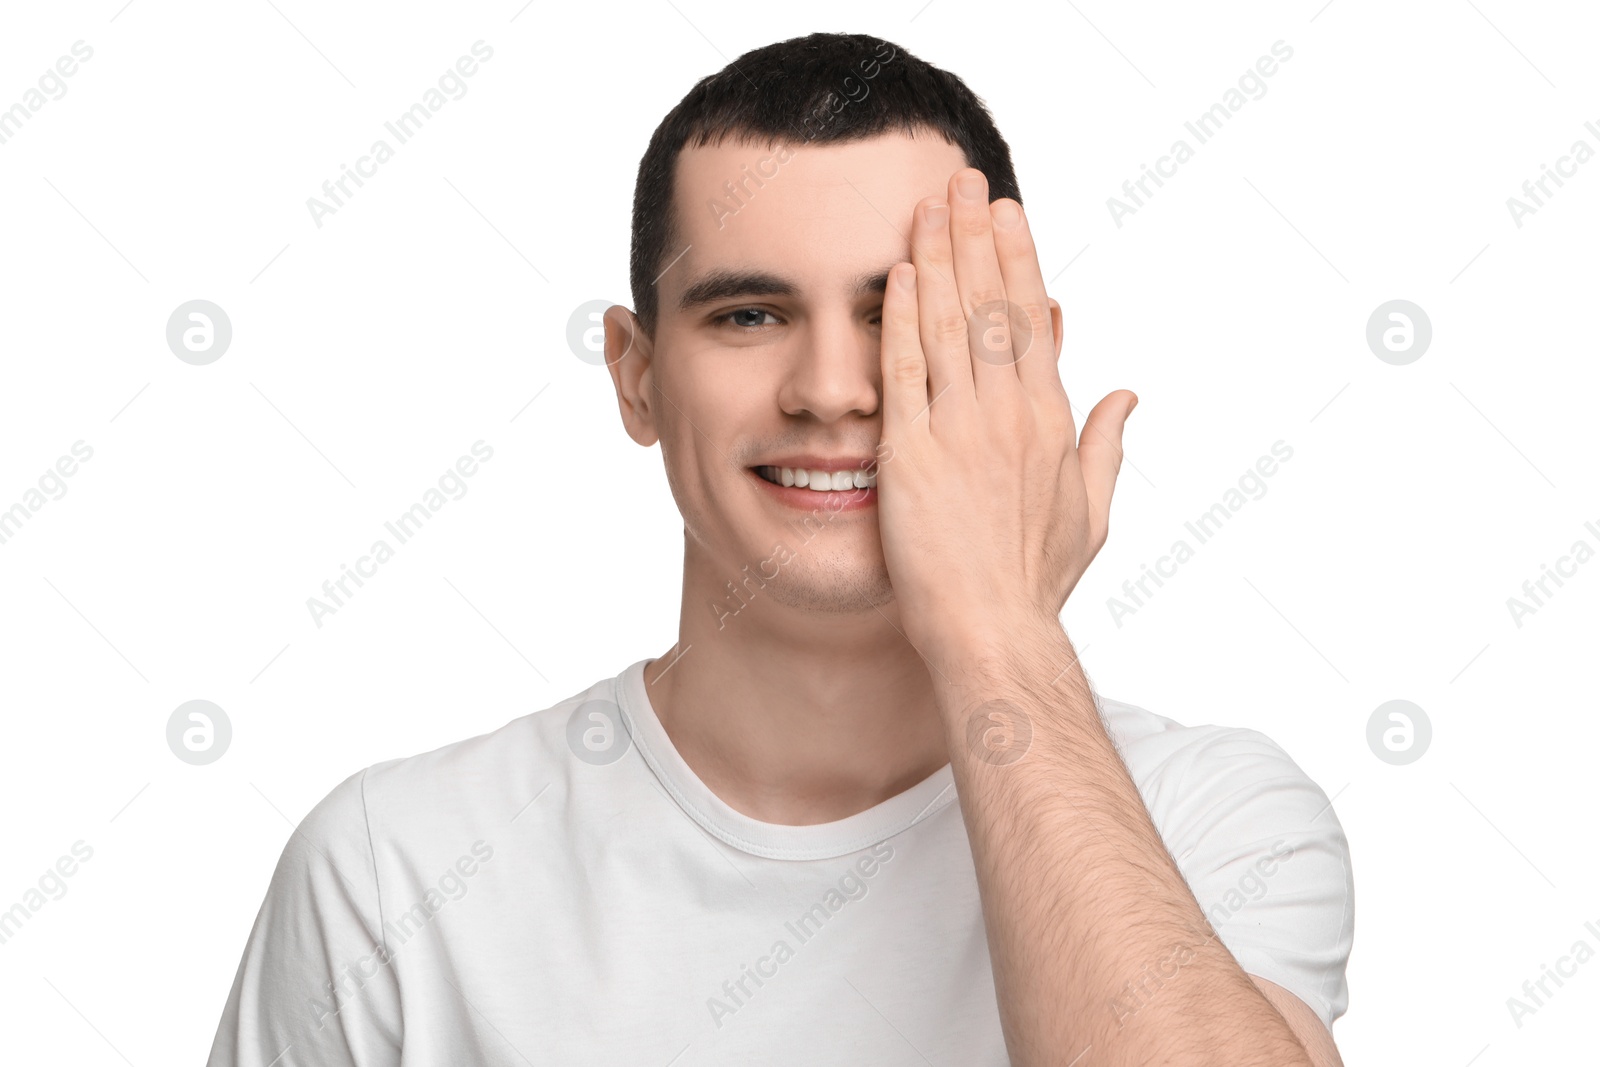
(818, 480)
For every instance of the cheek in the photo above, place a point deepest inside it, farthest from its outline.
(716, 404)
(705, 414)
(728, 398)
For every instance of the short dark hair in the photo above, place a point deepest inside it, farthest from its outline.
(790, 92)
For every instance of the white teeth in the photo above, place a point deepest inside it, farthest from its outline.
(822, 481)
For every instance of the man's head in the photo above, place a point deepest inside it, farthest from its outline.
(827, 88)
(770, 204)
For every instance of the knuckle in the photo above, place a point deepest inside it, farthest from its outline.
(950, 328)
(907, 367)
(989, 303)
(1038, 319)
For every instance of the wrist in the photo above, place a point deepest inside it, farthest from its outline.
(1003, 702)
(982, 648)
(999, 660)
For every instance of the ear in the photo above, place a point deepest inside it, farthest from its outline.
(1055, 326)
(629, 353)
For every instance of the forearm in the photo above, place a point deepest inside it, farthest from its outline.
(1080, 896)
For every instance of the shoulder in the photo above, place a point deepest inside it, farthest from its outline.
(479, 780)
(1256, 839)
(1190, 771)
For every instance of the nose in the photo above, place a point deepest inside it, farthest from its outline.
(834, 369)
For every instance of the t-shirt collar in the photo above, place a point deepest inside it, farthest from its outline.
(771, 840)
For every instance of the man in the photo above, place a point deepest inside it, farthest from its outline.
(867, 808)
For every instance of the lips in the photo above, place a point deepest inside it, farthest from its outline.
(805, 498)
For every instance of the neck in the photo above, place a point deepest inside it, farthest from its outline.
(789, 716)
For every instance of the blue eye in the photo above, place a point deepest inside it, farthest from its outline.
(728, 318)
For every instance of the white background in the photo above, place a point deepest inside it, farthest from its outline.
(368, 354)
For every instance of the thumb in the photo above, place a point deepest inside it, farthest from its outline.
(1100, 456)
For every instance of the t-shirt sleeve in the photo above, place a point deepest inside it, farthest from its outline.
(1264, 854)
(314, 988)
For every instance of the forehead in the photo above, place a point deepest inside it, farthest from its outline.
(817, 214)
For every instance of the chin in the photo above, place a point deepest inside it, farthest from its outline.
(833, 586)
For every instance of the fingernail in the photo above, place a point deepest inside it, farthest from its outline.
(936, 214)
(1006, 214)
(1132, 405)
(970, 185)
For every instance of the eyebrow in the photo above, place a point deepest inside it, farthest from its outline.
(722, 284)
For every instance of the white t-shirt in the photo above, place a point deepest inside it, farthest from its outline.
(565, 890)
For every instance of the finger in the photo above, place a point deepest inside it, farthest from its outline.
(1031, 309)
(902, 361)
(1100, 457)
(943, 323)
(981, 285)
